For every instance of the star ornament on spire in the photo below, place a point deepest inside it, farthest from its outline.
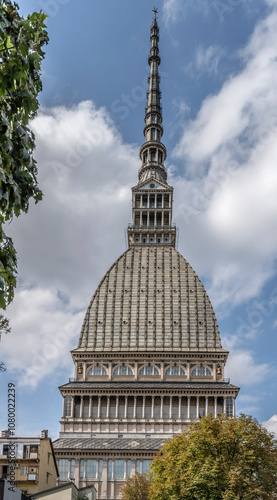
(155, 12)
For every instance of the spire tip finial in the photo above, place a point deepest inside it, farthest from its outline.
(155, 12)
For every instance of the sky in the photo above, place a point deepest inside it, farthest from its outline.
(219, 94)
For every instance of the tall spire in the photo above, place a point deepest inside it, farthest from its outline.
(152, 197)
(153, 152)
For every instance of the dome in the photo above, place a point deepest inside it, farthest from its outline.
(150, 300)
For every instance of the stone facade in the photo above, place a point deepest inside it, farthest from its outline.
(149, 359)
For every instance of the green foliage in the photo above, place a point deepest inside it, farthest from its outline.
(136, 487)
(217, 459)
(21, 42)
(82, 497)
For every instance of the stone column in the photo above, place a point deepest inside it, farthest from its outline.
(136, 370)
(84, 370)
(180, 407)
(143, 407)
(135, 407)
(162, 370)
(105, 479)
(188, 370)
(234, 407)
(152, 408)
(126, 406)
(224, 404)
(215, 406)
(110, 371)
(72, 405)
(197, 406)
(90, 407)
(99, 407)
(170, 406)
(116, 406)
(206, 405)
(63, 407)
(108, 406)
(82, 407)
(77, 472)
(162, 407)
(214, 371)
(188, 409)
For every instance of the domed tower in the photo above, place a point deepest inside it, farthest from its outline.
(149, 359)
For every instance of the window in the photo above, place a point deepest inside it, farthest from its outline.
(123, 370)
(152, 201)
(67, 406)
(77, 407)
(158, 135)
(110, 469)
(5, 449)
(128, 471)
(149, 370)
(144, 219)
(159, 201)
(159, 219)
(201, 371)
(144, 201)
(153, 154)
(98, 371)
(137, 201)
(229, 406)
(145, 466)
(145, 158)
(166, 201)
(119, 469)
(175, 371)
(152, 134)
(151, 219)
(24, 470)
(91, 469)
(82, 467)
(166, 219)
(63, 468)
(100, 469)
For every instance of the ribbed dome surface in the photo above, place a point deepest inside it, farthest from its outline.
(150, 299)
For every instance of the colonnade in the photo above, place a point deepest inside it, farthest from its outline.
(147, 407)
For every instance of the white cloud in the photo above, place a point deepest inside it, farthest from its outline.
(206, 61)
(271, 424)
(44, 330)
(85, 173)
(243, 369)
(67, 242)
(229, 205)
(171, 9)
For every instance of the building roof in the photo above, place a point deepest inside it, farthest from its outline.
(108, 444)
(150, 300)
(145, 386)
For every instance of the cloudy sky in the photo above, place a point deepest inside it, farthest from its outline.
(219, 93)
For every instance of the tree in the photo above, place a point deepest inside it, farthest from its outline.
(21, 42)
(4, 328)
(217, 459)
(136, 487)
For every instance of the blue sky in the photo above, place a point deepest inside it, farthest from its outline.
(219, 76)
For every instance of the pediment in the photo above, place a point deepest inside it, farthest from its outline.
(152, 184)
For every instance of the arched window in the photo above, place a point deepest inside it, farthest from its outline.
(175, 370)
(123, 370)
(201, 371)
(149, 370)
(98, 371)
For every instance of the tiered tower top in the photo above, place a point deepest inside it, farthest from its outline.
(152, 197)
